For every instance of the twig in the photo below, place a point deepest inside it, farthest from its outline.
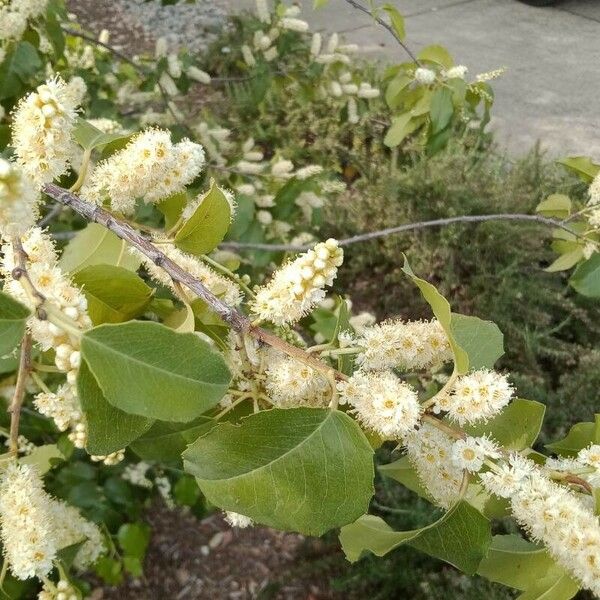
(19, 395)
(364, 237)
(362, 8)
(230, 315)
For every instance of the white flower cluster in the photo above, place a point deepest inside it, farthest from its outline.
(290, 383)
(593, 214)
(586, 464)
(114, 458)
(381, 403)
(407, 345)
(344, 86)
(18, 200)
(431, 451)
(41, 131)
(237, 520)
(61, 591)
(219, 285)
(476, 397)
(333, 52)
(424, 76)
(551, 514)
(46, 276)
(471, 452)
(150, 167)
(136, 474)
(298, 286)
(15, 14)
(34, 526)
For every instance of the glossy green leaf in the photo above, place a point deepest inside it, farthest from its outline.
(586, 277)
(114, 294)
(96, 245)
(461, 537)
(13, 317)
(482, 341)
(395, 87)
(517, 563)
(172, 207)
(441, 110)
(90, 137)
(181, 320)
(580, 435)
(516, 427)
(436, 54)
(581, 166)
(562, 587)
(166, 441)
(441, 309)
(206, 228)
(109, 429)
(147, 369)
(396, 19)
(300, 469)
(134, 538)
(555, 205)
(19, 64)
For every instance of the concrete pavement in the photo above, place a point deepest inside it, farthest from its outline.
(551, 90)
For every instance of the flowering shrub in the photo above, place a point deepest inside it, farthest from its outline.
(141, 338)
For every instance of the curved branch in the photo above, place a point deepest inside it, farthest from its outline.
(364, 237)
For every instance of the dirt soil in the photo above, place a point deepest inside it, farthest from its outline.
(189, 559)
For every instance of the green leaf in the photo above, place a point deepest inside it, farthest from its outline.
(581, 166)
(147, 369)
(395, 87)
(207, 226)
(96, 245)
(400, 128)
(90, 137)
(13, 317)
(114, 294)
(586, 277)
(109, 429)
(555, 205)
(552, 587)
(167, 441)
(566, 261)
(17, 67)
(442, 109)
(580, 435)
(481, 340)
(134, 538)
(436, 54)
(516, 427)
(186, 491)
(300, 469)
(517, 563)
(182, 320)
(401, 470)
(43, 458)
(461, 537)
(397, 20)
(441, 309)
(172, 207)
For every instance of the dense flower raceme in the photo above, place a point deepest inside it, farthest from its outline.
(35, 526)
(298, 286)
(15, 14)
(18, 200)
(41, 131)
(150, 167)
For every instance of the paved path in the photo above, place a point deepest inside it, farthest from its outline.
(551, 91)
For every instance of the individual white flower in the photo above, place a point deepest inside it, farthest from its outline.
(18, 200)
(478, 396)
(508, 477)
(458, 71)
(430, 452)
(294, 24)
(408, 345)
(237, 520)
(381, 403)
(41, 131)
(590, 456)
(150, 167)
(424, 76)
(26, 527)
(290, 383)
(470, 453)
(298, 286)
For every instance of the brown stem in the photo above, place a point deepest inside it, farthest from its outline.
(17, 400)
(230, 315)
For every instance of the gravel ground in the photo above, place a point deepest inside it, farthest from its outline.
(208, 560)
(136, 24)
